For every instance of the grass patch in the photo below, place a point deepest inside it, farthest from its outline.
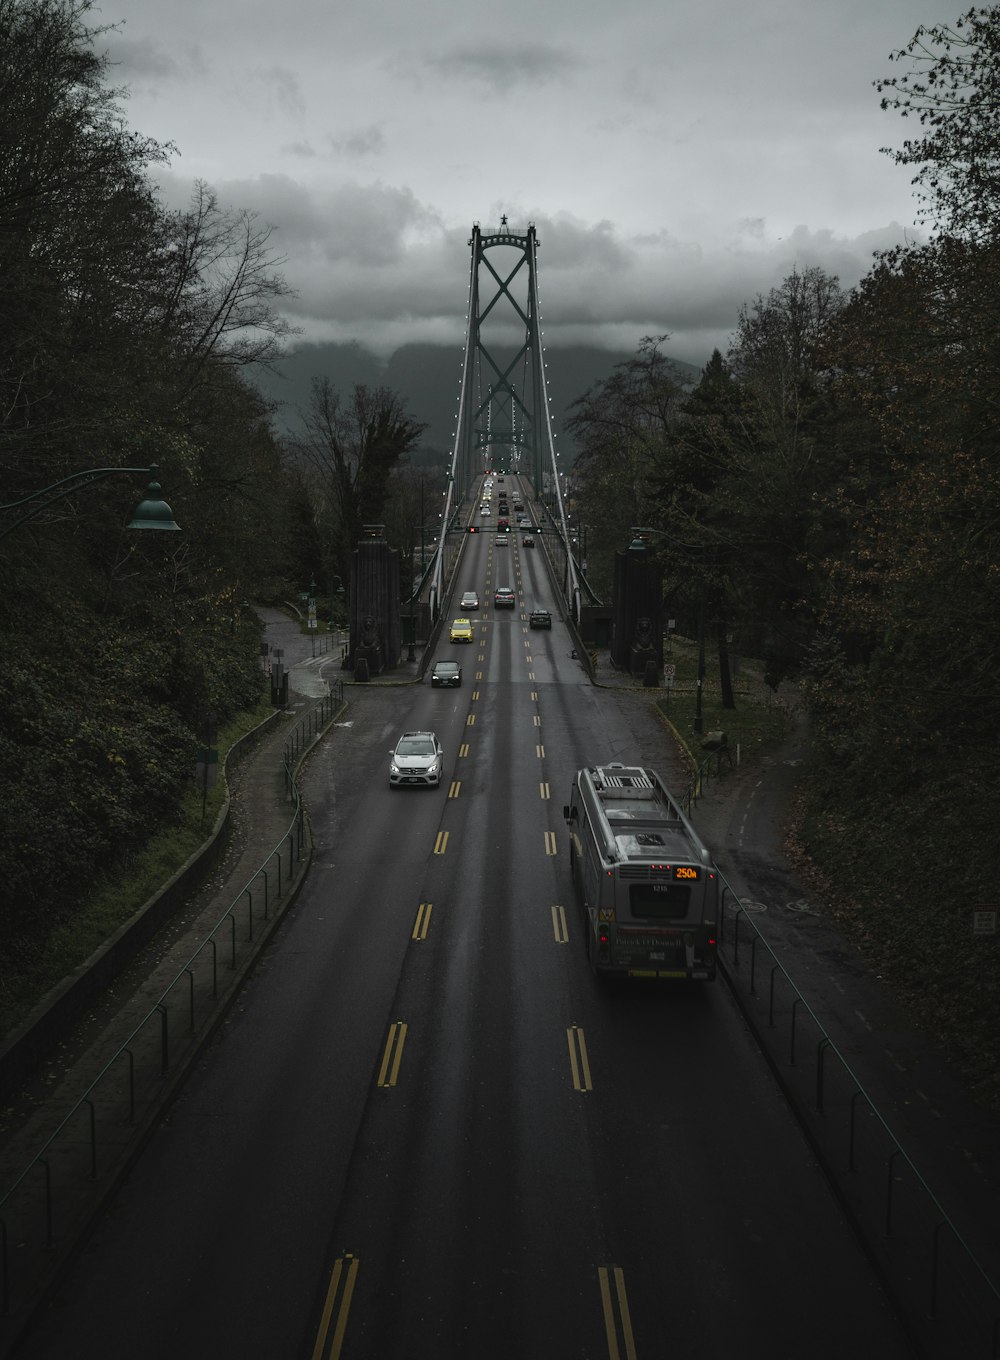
(119, 893)
(757, 719)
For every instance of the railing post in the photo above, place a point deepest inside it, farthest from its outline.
(888, 1191)
(131, 1085)
(164, 1041)
(92, 1120)
(736, 939)
(850, 1141)
(43, 1162)
(795, 1007)
(935, 1253)
(821, 1048)
(215, 967)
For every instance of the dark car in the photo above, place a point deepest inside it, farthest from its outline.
(446, 673)
(504, 598)
(539, 618)
(528, 541)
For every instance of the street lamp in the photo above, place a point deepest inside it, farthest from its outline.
(639, 544)
(151, 513)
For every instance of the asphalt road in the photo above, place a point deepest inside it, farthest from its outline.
(427, 1130)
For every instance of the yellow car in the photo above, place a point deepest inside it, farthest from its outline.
(461, 630)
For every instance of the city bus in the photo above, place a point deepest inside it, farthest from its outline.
(647, 887)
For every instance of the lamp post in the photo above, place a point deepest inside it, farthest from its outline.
(150, 513)
(639, 544)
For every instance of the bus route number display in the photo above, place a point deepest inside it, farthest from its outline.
(686, 871)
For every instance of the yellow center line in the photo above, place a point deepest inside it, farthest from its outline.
(393, 1053)
(475, 695)
(623, 1320)
(470, 721)
(536, 720)
(551, 848)
(543, 790)
(441, 844)
(422, 923)
(456, 785)
(559, 927)
(540, 752)
(345, 1303)
(578, 1061)
(463, 750)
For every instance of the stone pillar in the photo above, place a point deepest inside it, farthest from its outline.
(376, 634)
(638, 613)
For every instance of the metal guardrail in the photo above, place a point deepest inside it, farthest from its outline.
(931, 1272)
(696, 784)
(41, 1211)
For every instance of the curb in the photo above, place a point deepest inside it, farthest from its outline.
(85, 1198)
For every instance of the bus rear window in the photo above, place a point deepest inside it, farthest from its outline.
(659, 901)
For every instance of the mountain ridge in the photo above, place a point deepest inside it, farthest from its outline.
(427, 378)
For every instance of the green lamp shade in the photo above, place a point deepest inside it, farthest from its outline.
(153, 513)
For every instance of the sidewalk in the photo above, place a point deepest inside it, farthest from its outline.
(92, 1149)
(952, 1142)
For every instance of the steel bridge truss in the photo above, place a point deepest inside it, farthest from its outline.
(504, 415)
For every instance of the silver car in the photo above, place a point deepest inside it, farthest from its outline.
(417, 759)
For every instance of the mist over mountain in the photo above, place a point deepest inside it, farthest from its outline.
(428, 379)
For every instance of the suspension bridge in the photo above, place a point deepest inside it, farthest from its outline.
(504, 419)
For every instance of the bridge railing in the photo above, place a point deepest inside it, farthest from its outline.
(936, 1278)
(44, 1209)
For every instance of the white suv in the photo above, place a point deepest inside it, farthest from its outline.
(417, 759)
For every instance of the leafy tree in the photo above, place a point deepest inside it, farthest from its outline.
(354, 446)
(785, 451)
(114, 352)
(952, 87)
(620, 425)
(79, 242)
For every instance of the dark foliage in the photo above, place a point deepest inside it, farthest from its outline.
(124, 331)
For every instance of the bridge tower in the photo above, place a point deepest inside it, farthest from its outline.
(504, 420)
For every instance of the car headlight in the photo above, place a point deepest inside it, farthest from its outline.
(393, 767)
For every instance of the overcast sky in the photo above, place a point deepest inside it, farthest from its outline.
(677, 159)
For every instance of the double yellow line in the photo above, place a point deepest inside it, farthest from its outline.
(393, 1054)
(617, 1319)
(345, 1272)
(578, 1060)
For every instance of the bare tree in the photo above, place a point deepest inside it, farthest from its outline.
(223, 286)
(355, 445)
